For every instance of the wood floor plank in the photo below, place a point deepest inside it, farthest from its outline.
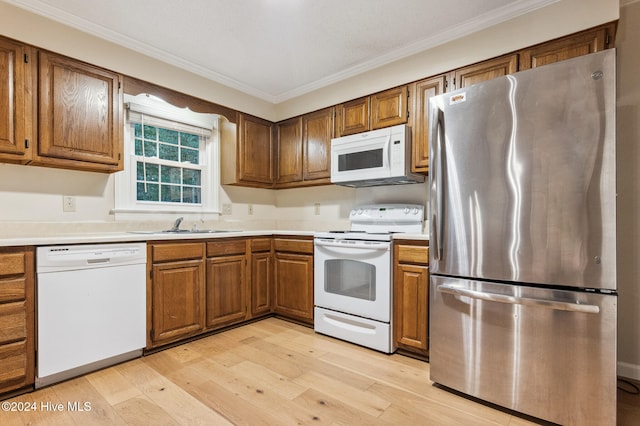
(162, 391)
(112, 385)
(406, 405)
(85, 404)
(143, 411)
(264, 378)
(330, 410)
(361, 400)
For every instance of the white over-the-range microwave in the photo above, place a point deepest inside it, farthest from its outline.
(378, 157)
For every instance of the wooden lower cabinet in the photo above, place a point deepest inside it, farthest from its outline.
(411, 296)
(261, 277)
(226, 293)
(293, 270)
(17, 323)
(175, 292)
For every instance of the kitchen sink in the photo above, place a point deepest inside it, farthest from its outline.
(187, 231)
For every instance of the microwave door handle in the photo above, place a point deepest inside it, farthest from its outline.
(387, 147)
(438, 160)
(515, 300)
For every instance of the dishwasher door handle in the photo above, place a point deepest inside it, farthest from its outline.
(99, 261)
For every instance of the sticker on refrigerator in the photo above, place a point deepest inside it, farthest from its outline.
(459, 98)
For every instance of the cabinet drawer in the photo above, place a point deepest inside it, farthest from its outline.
(13, 364)
(12, 290)
(413, 254)
(261, 244)
(12, 263)
(180, 251)
(13, 322)
(296, 246)
(223, 248)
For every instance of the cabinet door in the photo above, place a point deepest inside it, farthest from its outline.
(317, 134)
(289, 158)
(226, 290)
(353, 117)
(80, 115)
(261, 283)
(504, 65)
(177, 300)
(566, 48)
(15, 95)
(294, 286)
(411, 296)
(389, 108)
(420, 144)
(255, 151)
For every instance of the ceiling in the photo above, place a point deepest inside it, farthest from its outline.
(279, 49)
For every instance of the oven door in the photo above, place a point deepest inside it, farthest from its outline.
(353, 277)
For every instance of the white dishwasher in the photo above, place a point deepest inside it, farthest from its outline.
(91, 308)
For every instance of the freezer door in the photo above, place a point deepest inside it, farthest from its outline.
(523, 176)
(546, 353)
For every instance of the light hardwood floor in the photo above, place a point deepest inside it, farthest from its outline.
(271, 372)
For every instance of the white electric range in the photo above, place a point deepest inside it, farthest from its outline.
(353, 274)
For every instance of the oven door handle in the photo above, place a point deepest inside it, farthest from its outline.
(369, 245)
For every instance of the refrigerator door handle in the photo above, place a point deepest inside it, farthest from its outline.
(514, 300)
(437, 180)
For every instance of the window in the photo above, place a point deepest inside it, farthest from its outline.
(172, 160)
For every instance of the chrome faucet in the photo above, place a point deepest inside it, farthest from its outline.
(176, 224)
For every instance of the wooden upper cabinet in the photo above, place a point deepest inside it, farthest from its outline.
(580, 44)
(422, 91)
(379, 110)
(389, 108)
(255, 151)
(15, 102)
(289, 157)
(80, 120)
(353, 117)
(483, 71)
(317, 133)
(304, 147)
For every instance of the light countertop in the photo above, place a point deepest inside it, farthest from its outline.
(119, 237)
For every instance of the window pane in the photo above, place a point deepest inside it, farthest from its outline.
(189, 155)
(190, 140)
(137, 130)
(150, 132)
(170, 174)
(150, 149)
(153, 172)
(150, 194)
(170, 194)
(138, 147)
(169, 136)
(191, 195)
(190, 177)
(169, 152)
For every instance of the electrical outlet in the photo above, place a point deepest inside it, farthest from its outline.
(226, 209)
(68, 203)
(250, 209)
(317, 209)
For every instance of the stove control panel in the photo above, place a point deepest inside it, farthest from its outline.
(387, 213)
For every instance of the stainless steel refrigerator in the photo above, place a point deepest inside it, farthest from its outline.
(523, 241)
